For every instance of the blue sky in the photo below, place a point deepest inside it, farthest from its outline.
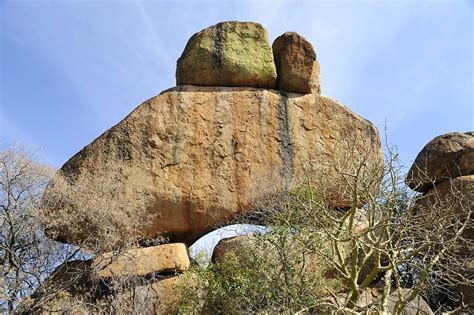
(72, 69)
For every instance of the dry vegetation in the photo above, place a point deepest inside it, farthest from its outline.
(384, 240)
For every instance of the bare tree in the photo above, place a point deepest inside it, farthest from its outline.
(26, 255)
(41, 274)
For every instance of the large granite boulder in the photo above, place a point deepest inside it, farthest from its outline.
(297, 67)
(228, 54)
(446, 156)
(199, 156)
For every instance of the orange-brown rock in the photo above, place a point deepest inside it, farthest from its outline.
(228, 54)
(445, 157)
(297, 67)
(166, 258)
(198, 156)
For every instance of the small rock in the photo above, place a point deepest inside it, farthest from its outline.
(297, 67)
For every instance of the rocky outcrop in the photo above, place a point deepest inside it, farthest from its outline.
(444, 171)
(297, 67)
(199, 156)
(195, 157)
(228, 54)
(445, 157)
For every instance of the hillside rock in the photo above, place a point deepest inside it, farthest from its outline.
(228, 54)
(446, 156)
(297, 67)
(166, 258)
(200, 156)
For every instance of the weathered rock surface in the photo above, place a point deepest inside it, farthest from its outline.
(199, 156)
(166, 258)
(296, 64)
(446, 156)
(228, 54)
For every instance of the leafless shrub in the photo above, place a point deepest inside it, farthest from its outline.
(379, 238)
(39, 274)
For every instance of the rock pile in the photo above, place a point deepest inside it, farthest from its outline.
(207, 150)
(444, 172)
(202, 155)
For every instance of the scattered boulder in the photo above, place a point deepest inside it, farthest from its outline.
(296, 64)
(446, 156)
(161, 259)
(228, 54)
(199, 156)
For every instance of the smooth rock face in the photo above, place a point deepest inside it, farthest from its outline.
(228, 54)
(446, 156)
(166, 258)
(297, 67)
(201, 155)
